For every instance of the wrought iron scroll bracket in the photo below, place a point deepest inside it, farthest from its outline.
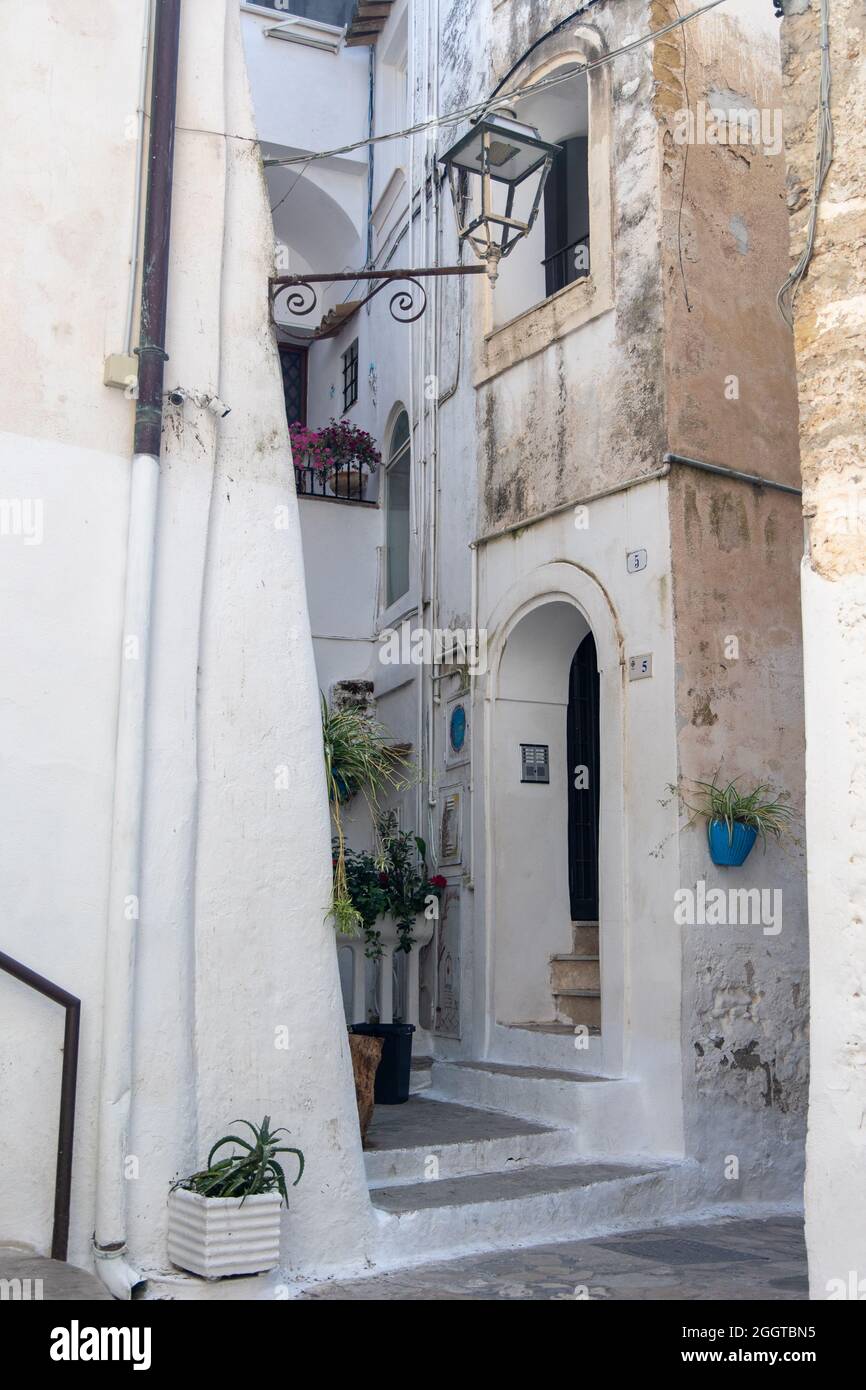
(406, 305)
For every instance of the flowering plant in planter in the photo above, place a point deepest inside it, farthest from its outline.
(306, 449)
(395, 882)
(336, 446)
(343, 443)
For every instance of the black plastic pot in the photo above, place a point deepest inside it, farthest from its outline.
(395, 1069)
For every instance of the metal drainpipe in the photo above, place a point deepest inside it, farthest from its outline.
(371, 152)
(115, 1086)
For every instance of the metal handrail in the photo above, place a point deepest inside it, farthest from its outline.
(68, 1082)
(347, 483)
(581, 241)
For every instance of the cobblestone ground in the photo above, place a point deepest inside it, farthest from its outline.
(742, 1260)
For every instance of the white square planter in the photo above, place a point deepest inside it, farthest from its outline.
(219, 1236)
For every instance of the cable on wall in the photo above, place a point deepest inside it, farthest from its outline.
(823, 159)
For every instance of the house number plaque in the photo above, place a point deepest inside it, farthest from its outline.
(640, 668)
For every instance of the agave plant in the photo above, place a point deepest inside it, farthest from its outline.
(763, 809)
(360, 755)
(250, 1173)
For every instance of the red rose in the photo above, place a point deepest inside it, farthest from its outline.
(437, 881)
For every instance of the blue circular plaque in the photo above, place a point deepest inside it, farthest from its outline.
(457, 728)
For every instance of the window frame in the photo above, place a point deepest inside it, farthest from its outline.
(403, 452)
(587, 298)
(350, 359)
(284, 349)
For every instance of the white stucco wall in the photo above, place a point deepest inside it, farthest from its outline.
(835, 667)
(234, 944)
(341, 566)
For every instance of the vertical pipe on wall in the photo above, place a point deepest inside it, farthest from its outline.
(139, 175)
(371, 151)
(115, 1085)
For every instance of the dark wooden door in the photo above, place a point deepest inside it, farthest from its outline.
(584, 766)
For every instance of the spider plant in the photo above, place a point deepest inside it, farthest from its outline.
(766, 811)
(360, 755)
(252, 1172)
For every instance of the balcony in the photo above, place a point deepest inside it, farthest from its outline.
(337, 463)
(350, 482)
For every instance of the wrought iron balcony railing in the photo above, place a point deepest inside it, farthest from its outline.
(566, 265)
(351, 482)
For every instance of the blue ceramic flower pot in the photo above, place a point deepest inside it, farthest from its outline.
(732, 851)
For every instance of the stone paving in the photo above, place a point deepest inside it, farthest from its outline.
(743, 1260)
(28, 1276)
(435, 1123)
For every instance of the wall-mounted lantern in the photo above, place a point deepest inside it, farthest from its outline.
(498, 149)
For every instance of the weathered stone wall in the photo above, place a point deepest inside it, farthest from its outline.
(830, 334)
(731, 400)
(587, 410)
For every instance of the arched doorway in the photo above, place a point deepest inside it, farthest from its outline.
(531, 791)
(537, 626)
(584, 771)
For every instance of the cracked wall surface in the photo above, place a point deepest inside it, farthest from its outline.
(587, 410)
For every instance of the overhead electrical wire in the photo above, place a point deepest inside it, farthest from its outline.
(506, 99)
(823, 159)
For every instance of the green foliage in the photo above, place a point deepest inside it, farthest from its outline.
(367, 895)
(250, 1173)
(359, 756)
(764, 810)
(395, 882)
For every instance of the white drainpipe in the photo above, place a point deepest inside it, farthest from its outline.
(115, 1084)
(124, 891)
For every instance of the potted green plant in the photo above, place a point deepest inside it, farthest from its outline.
(360, 756)
(391, 890)
(225, 1218)
(393, 893)
(735, 819)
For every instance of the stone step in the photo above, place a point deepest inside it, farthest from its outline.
(574, 972)
(419, 1079)
(605, 1112)
(584, 938)
(526, 1206)
(35, 1278)
(426, 1140)
(579, 1006)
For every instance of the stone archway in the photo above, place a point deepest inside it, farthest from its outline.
(536, 630)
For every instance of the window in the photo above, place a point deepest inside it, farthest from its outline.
(293, 361)
(350, 375)
(566, 216)
(398, 481)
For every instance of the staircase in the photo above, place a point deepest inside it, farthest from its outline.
(493, 1156)
(575, 979)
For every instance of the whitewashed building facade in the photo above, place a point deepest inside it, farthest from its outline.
(591, 468)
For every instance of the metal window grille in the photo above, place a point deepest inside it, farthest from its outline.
(350, 375)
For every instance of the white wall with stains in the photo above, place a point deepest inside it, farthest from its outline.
(238, 1008)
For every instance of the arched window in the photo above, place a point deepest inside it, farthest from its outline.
(397, 490)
